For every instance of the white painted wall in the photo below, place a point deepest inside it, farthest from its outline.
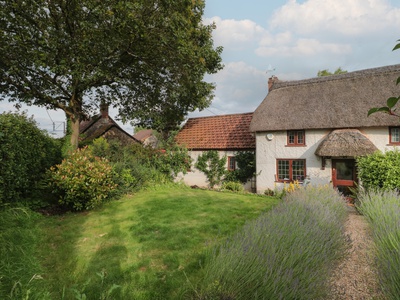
(379, 136)
(267, 151)
(196, 177)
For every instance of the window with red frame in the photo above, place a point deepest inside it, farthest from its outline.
(296, 138)
(231, 163)
(290, 169)
(394, 135)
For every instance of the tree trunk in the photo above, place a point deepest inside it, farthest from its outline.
(75, 122)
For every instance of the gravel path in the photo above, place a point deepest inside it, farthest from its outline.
(355, 277)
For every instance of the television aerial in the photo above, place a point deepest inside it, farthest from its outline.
(270, 69)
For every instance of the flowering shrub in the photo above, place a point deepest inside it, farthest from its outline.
(282, 191)
(287, 253)
(291, 187)
(82, 180)
(382, 210)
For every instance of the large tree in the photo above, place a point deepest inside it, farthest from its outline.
(326, 72)
(146, 57)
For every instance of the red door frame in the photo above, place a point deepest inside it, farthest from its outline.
(337, 182)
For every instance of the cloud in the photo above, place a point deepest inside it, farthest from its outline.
(301, 47)
(344, 17)
(235, 34)
(241, 88)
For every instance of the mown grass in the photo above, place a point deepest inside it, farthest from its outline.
(287, 253)
(382, 210)
(149, 244)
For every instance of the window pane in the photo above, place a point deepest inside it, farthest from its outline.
(291, 136)
(298, 170)
(300, 137)
(283, 169)
(395, 135)
(231, 163)
(344, 170)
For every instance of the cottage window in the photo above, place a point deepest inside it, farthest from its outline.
(231, 163)
(291, 169)
(394, 135)
(296, 138)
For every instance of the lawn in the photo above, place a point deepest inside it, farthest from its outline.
(150, 245)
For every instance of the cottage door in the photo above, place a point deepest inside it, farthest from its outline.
(344, 175)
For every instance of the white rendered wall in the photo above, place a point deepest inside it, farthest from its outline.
(268, 151)
(379, 136)
(196, 177)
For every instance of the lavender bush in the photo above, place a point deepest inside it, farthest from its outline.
(287, 253)
(382, 210)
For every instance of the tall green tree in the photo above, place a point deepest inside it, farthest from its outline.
(326, 72)
(145, 57)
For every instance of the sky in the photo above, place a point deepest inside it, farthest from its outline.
(290, 39)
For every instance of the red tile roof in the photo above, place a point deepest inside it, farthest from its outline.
(226, 132)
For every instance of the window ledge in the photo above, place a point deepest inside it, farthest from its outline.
(288, 181)
(300, 145)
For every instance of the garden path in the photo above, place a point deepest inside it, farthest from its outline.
(355, 277)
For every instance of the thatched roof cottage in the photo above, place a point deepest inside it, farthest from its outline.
(316, 127)
(102, 125)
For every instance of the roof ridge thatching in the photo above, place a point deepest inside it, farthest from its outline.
(354, 74)
(336, 101)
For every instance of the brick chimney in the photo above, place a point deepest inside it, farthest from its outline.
(104, 110)
(271, 82)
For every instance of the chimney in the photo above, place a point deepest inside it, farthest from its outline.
(271, 82)
(104, 110)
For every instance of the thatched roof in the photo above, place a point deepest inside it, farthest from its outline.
(345, 142)
(104, 126)
(225, 132)
(337, 101)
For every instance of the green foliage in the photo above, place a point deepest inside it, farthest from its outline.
(136, 166)
(326, 72)
(287, 253)
(391, 101)
(82, 180)
(148, 58)
(25, 153)
(212, 166)
(232, 186)
(173, 160)
(246, 167)
(380, 170)
(20, 268)
(382, 209)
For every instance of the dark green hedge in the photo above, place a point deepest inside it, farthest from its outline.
(25, 154)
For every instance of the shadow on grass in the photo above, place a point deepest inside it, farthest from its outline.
(104, 272)
(59, 251)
